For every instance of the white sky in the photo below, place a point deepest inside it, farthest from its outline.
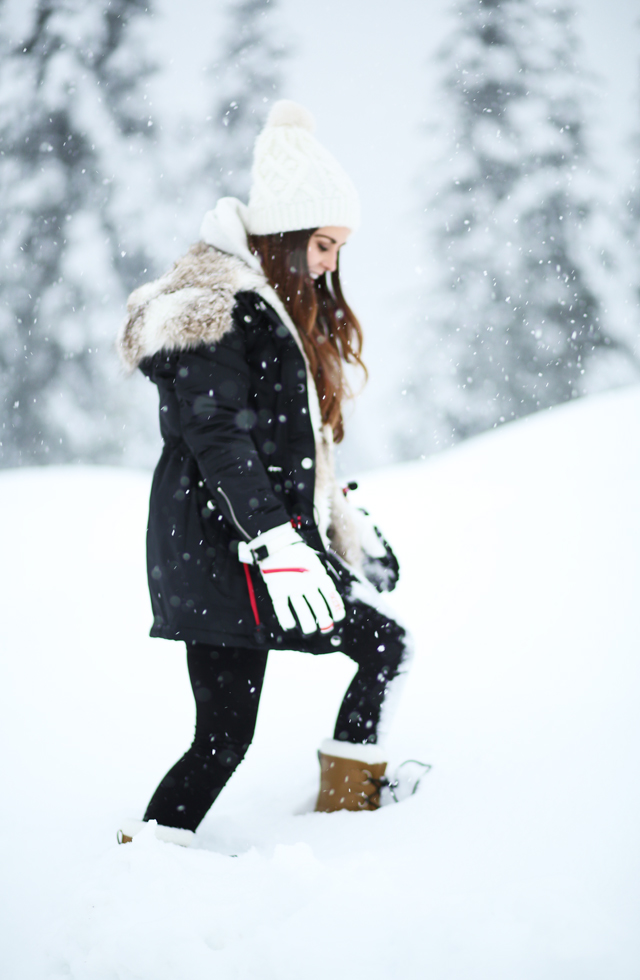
(363, 68)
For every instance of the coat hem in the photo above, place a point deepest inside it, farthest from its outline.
(217, 638)
(317, 644)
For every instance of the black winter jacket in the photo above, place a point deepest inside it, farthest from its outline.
(239, 452)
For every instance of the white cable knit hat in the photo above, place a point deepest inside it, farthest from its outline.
(296, 182)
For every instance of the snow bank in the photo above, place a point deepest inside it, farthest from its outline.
(519, 856)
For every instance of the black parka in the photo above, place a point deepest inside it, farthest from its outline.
(239, 458)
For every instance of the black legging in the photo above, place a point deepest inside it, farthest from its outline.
(227, 683)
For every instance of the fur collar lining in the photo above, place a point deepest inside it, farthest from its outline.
(190, 305)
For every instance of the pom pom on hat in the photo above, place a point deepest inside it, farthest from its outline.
(296, 182)
(287, 113)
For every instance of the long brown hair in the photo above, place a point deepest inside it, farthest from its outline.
(328, 328)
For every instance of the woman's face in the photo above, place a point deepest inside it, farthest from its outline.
(323, 248)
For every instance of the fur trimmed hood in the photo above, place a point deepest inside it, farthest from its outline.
(189, 305)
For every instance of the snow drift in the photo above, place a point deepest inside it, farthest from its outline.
(519, 856)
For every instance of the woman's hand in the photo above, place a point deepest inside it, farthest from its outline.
(368, 534)
(296, 580)
(379, 563)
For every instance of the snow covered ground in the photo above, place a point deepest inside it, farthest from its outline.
(519, 857)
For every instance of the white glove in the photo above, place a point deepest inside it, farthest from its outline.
(295, 578)
(369, 540)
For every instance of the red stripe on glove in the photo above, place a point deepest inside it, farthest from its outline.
(270, 571)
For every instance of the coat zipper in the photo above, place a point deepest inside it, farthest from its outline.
(233, 514)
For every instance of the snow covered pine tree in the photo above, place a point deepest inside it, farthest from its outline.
(72, 121)
(515, 319)
(246, 80)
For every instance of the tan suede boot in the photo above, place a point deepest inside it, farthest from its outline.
(348, 784)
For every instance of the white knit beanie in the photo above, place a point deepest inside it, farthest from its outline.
(296, 182)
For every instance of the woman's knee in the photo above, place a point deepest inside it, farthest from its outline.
(378, 641)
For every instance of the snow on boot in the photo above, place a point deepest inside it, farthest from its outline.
(350, 776)
(170, 835)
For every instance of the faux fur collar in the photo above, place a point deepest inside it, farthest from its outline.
(190, 305)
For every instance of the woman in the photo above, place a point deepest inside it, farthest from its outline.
(251, 545)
